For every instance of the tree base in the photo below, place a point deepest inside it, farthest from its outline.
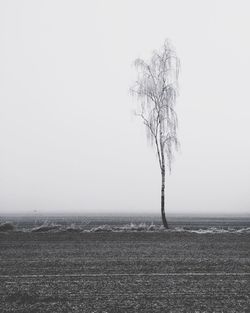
(164, 220)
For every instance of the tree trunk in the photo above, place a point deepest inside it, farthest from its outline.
(163, 216)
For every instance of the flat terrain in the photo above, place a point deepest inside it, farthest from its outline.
(124, 272)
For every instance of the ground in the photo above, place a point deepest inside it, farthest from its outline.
(124, 272)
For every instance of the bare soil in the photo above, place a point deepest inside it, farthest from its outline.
(124, 272)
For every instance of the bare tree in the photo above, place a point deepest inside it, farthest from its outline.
(156, 89)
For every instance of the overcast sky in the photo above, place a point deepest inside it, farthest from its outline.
(68, 139)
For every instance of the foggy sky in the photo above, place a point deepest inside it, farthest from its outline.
(69, 140)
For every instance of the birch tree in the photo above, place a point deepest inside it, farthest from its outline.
(156, 89)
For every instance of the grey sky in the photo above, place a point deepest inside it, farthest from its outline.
(69, 141)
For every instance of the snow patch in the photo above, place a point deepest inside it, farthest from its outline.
(46, 227)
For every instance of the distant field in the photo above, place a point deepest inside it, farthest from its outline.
(87, 222)
(124, 272)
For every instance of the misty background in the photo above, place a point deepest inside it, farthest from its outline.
(68, 139)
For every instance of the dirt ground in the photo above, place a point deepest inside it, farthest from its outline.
(124, 272)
